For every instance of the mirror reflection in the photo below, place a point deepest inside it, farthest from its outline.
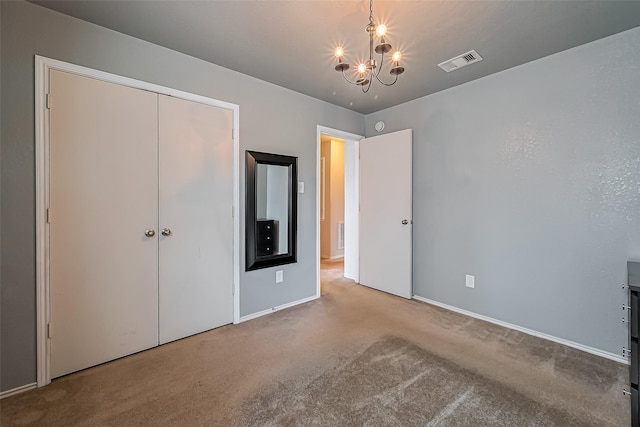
(272, 208)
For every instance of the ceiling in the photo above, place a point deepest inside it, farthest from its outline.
(290, 43)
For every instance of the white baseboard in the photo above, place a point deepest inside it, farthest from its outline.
(585, 348)
(277, 308)
(18, 390)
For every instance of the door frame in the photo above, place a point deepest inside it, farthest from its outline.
(323, 130)
(43, 308)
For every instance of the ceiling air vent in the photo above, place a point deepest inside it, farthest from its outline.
(460, 61)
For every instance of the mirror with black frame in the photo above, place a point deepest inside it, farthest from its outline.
(271, 209)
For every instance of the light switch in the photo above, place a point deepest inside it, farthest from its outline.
(470, 281)
(300, 187)
(279, 276)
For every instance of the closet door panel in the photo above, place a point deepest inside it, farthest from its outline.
(195, 184)
(103, 196)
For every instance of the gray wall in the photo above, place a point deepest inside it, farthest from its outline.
(272, 119)
(529, 179)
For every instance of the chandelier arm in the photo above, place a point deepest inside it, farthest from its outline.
(347, 79)
(380, 69)
(354, 82)
(368, 86)
(387, 84)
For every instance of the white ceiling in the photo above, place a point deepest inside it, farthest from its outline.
(290, 43)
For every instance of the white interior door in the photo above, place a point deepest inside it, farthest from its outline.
(102, 197)
(385, 212)
(196, 184)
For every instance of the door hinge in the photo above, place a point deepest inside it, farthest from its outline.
(48, 101)
(49, 330)
(48, 216)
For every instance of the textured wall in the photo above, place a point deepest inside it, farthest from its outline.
(529, 179)
(272, 119)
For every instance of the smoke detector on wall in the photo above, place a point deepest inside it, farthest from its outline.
(460, 61)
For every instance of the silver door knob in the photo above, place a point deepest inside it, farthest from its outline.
(166, 232)
(150, 232)
(405, 222)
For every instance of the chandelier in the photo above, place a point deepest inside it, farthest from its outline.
(367, 71)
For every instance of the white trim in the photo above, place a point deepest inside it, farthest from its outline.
(42, 67)
(18, 390)
(338, 134)
(49, 63)
(42, 230)
(236, 214)
(277, 308)
(323, 187)
(585, 348)
(347, 272)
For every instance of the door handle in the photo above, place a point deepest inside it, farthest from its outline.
(166, 232)
(405, 222)
(150, 232)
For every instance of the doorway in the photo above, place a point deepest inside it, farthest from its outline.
(331, 198)
(337, 202)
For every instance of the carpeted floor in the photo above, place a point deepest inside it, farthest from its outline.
(354, 357)
(396, 383)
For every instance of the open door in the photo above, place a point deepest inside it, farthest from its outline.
(386, 212)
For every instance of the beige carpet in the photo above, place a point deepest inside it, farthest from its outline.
(396, 383)
(355, 357)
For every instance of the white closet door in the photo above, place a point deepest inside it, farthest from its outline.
(196, 184)
(103, 196)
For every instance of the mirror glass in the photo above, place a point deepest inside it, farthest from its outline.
(272, 205)
(271, 209)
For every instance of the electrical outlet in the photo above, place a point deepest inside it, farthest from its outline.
(470, 281)
(279, 276)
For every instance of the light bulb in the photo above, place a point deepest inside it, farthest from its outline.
(381, 30)
(362, 68)
(339, 52)
(396, 56)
